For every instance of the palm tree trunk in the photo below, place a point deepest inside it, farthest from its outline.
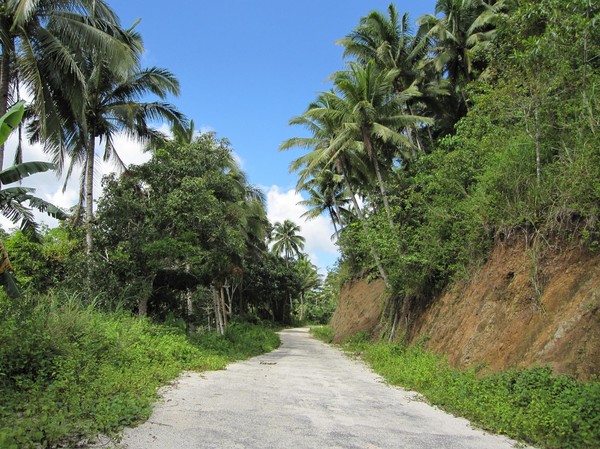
(338, 213)
(366, 230)
(417, 137)
(4, 86)
(89, 194)
(386, 204)
(373, 157)
(335, 229)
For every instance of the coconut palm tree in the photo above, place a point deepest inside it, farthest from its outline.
(326, 194)
(388, 41)
(324, 120)
(464, 26)
(113, 104)
(40, 42)
(286, 240)
(309, 278)
(373, 116)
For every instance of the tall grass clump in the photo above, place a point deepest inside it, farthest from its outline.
(323, 333)
(530, 405)
(69, 372)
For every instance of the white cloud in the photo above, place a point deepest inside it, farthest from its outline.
(205, 129)
(283, 204)
(49, 187)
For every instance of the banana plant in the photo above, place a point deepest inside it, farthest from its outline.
(12, 199)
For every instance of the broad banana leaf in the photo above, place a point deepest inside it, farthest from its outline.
(19, 171)
(11, 120)
(10, 285)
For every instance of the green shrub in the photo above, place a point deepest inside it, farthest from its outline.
(69, 372)
(530, 405)
(323, 333)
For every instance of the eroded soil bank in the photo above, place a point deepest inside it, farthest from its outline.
(520, 309)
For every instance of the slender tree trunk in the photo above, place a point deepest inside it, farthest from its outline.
(587, 107)
(189, 309)
(335, 229)
(417, 136)
(89, 194)
(373, 156)
(367, 232)
(301, 306)
(4, 86)
(338, 212)
(223, 309)
(217, 310)
(394, 325)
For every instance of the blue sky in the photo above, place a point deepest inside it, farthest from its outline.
(245, 68)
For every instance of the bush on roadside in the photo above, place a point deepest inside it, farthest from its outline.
(530, 405)
(323, 333)
(69, 372)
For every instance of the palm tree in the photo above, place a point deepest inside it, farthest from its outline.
(40, 42)
(373, 116)
(286, 240)
(390, 44)
(182, 134)
(113, 105)
(464, 26)
(326, 194)
(309, 278)
(324, 120)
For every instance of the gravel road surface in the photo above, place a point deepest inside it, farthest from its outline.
(303, 395)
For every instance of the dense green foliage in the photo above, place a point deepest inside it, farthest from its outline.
(432, 145)
(530, 405)
(68, 371)
(480, 126)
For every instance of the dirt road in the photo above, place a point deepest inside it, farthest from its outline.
(303, 395)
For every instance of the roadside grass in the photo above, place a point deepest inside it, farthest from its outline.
(529, 405)
(323, 333)
(69, 372)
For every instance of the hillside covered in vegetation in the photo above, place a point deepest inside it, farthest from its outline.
(478, 127)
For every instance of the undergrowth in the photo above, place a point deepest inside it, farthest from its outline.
(323, 333)
(530, 405)
(69, 372)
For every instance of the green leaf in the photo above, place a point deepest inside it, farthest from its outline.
(11, 120)
(19, 171)
(10, 286)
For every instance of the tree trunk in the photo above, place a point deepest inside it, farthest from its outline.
(335, 229)
(538, 137)
(223, 309)
(189, 310)
(394, 324)
(4, 86)
(217, 311)
(89, 194)
(143, 306)
(367, 232)
(373, 157)
(417, 136)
